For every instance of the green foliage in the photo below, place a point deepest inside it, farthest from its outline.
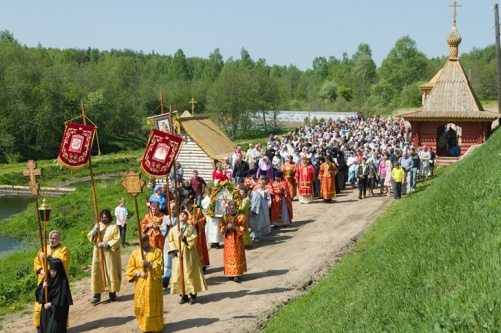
(346, 93)
(232, 95)
(404, 64)
(430, 263)
(40, 88)
(328, 91)
(7, 37)
(11, 158)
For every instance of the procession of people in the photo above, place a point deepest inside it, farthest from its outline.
(251, 194)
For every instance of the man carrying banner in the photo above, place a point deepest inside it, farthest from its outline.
(110, 243)
(168, 223)
(194, 280)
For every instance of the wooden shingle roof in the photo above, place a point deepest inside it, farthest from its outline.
(452, 96)
(207, 135)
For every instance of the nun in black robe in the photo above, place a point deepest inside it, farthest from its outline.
(54, 314)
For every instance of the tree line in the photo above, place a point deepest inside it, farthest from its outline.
(41, 87)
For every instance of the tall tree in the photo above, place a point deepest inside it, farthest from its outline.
(404, 64)
(364, 72)
(214, 66)
(267, 93)
(178, 68)
(231, 97)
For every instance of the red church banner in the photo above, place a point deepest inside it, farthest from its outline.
(161, 152)
(76, 145)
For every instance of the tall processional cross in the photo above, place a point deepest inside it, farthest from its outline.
(33, 172)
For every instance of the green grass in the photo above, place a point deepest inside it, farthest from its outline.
(53, 173)
(430, 263)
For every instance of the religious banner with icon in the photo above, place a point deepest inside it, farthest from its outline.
(76, 145)
(161, 122)
(161, 152)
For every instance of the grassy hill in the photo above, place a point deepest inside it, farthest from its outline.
(430, 263)
(71, 214)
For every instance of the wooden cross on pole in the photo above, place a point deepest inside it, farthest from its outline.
(192, 102)
(133, 184)
(33, 172)
(454, 14)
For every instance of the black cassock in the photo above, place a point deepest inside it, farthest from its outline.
(55, 319)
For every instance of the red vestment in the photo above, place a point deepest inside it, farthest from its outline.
(279, 194)
(197, 220)
(305, 175)
(235, 263)
(327, 177)
(289, 170)
(156, 238)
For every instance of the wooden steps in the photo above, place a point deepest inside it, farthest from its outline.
(447, 160)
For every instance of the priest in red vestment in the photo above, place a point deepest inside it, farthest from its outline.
(327, 177)
(233, 228)
(305, 175)
(281, 204)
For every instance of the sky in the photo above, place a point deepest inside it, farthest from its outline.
(283, 32)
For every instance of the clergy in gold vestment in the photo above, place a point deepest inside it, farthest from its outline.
(233, 227)
(55, 250)
(148, 296)
(110, 243)
(193, 277)
(327, 177)
(289, 169)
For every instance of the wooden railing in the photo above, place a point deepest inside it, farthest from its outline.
(24, 191)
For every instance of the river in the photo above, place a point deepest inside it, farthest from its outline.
(12, 205)
(8, 207)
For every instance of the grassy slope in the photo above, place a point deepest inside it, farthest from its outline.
(12, 174)
(431, 262)
(72, 214)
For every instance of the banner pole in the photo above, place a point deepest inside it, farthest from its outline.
(176, 193)
(100, 250)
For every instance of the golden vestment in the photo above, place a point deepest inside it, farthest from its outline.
(110, 235)
(148, 296)
(194, 280)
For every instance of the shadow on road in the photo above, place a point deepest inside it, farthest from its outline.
(188, 323)
(216, 297)
(269, 291)
(273, 272)
(101, 323)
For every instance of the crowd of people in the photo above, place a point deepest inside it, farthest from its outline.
(312, 162)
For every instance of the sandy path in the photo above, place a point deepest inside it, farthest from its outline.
(280, 268)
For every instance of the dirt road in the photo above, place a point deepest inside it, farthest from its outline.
(279, 268)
